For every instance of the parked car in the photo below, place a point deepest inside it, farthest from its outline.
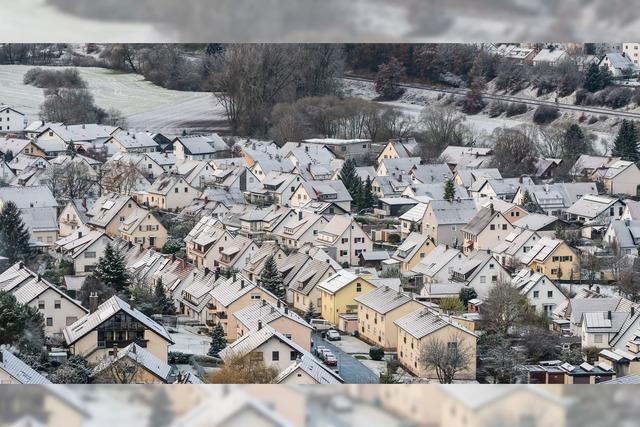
(320, 324)
(333, 335)
(319, 349)
(324, 353)
(330, 360)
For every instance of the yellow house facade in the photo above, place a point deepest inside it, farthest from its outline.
(554, 258)
(338, 294)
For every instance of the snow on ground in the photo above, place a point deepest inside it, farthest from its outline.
(189, 342)
(113, 406)
(144, 105)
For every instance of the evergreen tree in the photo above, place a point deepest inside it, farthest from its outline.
(626, 143)
(369, 198)
(473, 101)
(165, 303)
(21, 325)
(8, 156)
(530, 205)
(466, 295)
(310, 313)
(449, 191)
(352, 181)
(14, 236)
(111, 270)
(161, 413)
(574, 143)
(271, 279)
(592, 79)
(218, 341)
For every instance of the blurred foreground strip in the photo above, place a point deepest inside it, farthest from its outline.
(303, 406)
(318, 21)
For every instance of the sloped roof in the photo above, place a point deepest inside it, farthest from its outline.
(480, 220)
(410, 246)
(266, 312)
(591, 206)
(139, 355)
(19, 370)
(314, 368)
(384, 299)
(78, 133)
(105, 311)
(455, 212)
(338, 281)
(541, 250)
(423, 322)
(106, 208)
(29, 197)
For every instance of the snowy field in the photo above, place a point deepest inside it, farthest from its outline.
(189, 342)
(145, 105)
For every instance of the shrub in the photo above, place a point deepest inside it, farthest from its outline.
(592, 120)
(177, 358)
(496, 108)
(52, 79)
(545, 115)
(617, 97)
(376, 353)
(516, 108)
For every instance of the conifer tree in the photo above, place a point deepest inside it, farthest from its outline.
(161, 413)
(165, 303)
(530, 205)
(14, 236)
(271, 279)
(111, 270)
(369, 199)
(310, 313)
(218, 341)
(449, 191)
(351, 180)
(626, 143)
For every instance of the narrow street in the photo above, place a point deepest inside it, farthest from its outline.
(350, 368)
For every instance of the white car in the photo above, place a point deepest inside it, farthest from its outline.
(333, 335)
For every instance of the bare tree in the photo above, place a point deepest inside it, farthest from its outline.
(120, 177)
(438, 128)
(123, 370)
(247, 369)
(515, 151)
(71, 179)
(504, 309)
(446, 357)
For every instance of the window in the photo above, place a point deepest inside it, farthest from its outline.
(504, 226)
(56, 304)
(41, 305)
(549, 294)
(90, 255)
(70, 320)
(176, 189)
(536, 294)
(293, 355)
(452, 347)
(597, 338)
(186, 189)
(358, 287)
(275, 356)
(492, 227)
(345, 240)
(483, 279)
(49, 321)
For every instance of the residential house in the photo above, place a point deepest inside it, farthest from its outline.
(467, 177)
(555, 199)
(586, 165)
(421, 327)
(321, 191)
(201, 238)
(550, 56)
(553, 258)
(264, 166)
(397, 148)
(467, 157)
(15, 371)
(619, 64)
(394, 206)
(358, 149)
(73, 217)
(542, 292)
(503, 189)
(193, 295)
(479, 271)
(234, 178)
(488, 228)
(144, 366)
(435, 267)
(596, 210)
(277, 188)
(81, 135)
(142, 227)
(84, 247)
(438, 173)
(140, 142)
(233, 254)
(424, 193)
(114, 325)
(411, 220)
(443, 220)
(625, 234)
(6, 174)
(57, 308)
(232, 295)
(413, 250)
(11, 120)
(16, 146)
(621, 177)
(109, 212)
(299, 228)
(510, 211)
(345, 239)
(302, 274)
(514, 247)
(397, 166)
(305, 371)
(338, 294)
(278, 316)
(39, 212)
(558, 372)
(377, 312)
(170, 192)
(199, 147)
(253, 269)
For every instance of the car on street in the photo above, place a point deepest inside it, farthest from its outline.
(333, 335)
(322, 354)
(319, 349)
(320, 324)
(330, 360)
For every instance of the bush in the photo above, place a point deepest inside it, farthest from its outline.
(177, 358)
(376, 353)
(52, 79)
(617, 97)
(545, 115)
(592, 120)
(496, 108)
(516, 108)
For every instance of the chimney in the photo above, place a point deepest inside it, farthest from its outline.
(79, 234)
(234, 277)
(259, 324)
(1, 356)
(633, 311)
(609, 314)
(286, 310)
(300, 215)
(491, 208)
(217, 273)
(115, 350)
(241, 283)
(20, 265)
(279, 304)
(520, 179)
(206, 271)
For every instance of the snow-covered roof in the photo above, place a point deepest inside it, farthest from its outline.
(20, 371)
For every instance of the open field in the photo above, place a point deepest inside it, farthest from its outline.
(145, 105)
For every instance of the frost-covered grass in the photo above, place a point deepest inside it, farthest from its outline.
(145, 105)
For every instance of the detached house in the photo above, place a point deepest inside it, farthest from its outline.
(485, 230)
(170, 192)
(436, 266)
(114, 325)
(377, 312)
(413, 250)
(109, 212)
(198, 147)
(322, 191)
(140, 142)
(625, 234)
(416, 329)
(443, 220)
(479, 271)
(143, 228)
(345, 238)
(73, 217)
(401, 147)
(339, 292)
(11, 120)
(554, 258)
(303, 273)
(514, 247)
(39, 212)
(543, 293)
(57, 308)
(596, 210)
(621, 177)
(84, 247)
(299, 228)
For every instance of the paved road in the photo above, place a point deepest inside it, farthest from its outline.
(350, 368)
(511, 98)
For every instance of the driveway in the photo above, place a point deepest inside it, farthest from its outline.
(350, 368)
